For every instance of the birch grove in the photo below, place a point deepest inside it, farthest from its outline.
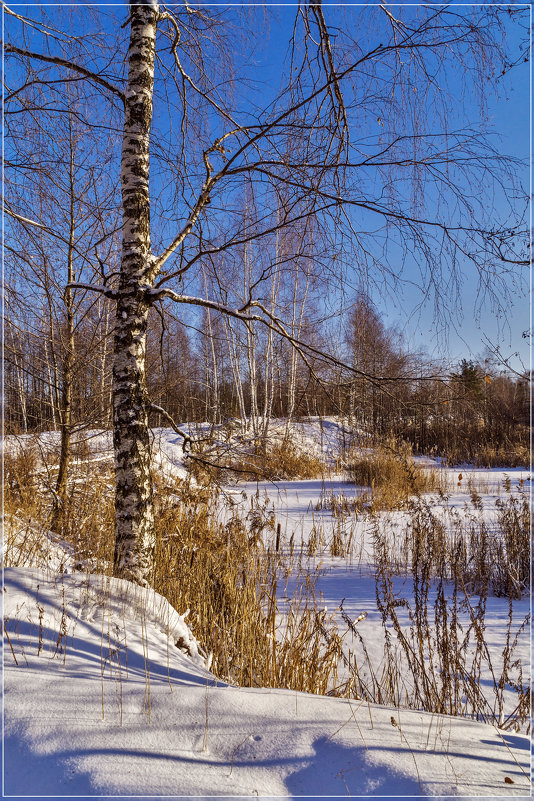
(333, 143)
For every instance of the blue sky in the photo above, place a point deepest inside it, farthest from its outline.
(466, 333)
(507, 114)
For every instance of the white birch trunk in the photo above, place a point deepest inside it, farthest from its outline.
(253, 377)
(60, 502)
(251, 350)
(106, 402)
(53, 388)
(19, 371)
(134, 515)
(236, 373)
(212, 375)
(296, 327)
(270, 355)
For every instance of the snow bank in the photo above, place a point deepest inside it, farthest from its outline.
(100, 701)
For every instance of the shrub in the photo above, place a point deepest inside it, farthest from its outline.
(274, 461)
(392, 475)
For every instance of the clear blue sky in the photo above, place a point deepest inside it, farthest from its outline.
(507, 114)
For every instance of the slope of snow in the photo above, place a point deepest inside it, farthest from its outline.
(100, 701)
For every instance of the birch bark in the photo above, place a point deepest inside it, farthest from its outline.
(65, 409)
(18, 359)
(134, 514)
(233, 353)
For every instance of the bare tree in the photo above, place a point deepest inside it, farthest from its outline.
(356, 139)
(56, 177)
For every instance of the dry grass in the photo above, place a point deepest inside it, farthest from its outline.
(272, 461)
(21, 480)
(452, 572)
(463, 547)
(392, 476)
(227, 572)
(88, 522)
(488, 454)
(227, 564)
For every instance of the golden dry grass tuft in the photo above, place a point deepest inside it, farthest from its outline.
(227, 572)
(272, 461)
(392, 475)
(20, 479)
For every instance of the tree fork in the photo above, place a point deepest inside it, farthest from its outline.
(134, 509)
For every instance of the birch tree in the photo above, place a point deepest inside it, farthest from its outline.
(356, 137)
(54, 175)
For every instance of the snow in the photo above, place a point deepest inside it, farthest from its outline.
(100, 700)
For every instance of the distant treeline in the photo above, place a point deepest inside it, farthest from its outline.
(217, 372)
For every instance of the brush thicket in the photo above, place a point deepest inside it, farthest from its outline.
(271, 461)
(392, 476)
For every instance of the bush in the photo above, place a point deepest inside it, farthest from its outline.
(275, 461)
(392, 474)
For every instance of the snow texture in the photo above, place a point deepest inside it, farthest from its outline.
(102, 702)
(107, 694)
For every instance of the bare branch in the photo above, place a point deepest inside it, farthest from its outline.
(71, 65)
(202, 200)
(41, 27)
(104, 290)
(185, 436)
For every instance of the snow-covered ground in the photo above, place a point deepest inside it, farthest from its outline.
(100, 700)
(303, 506)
